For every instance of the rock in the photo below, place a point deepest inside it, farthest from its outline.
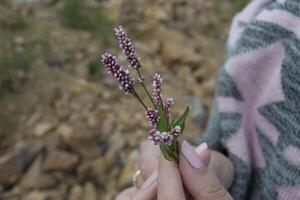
(76, 193)
(54, 141)
(46, 182)
(100, 166)
(198, 112)
(115, 143)
(35, 179)
(43, 195)
(125, 178)
(60, 161)
(13, 164)
(86, 146)
(84, 171)
(35, 195)
(65, 131)
(90, 191)
(174, 52)
(42, 128)
(30, 178)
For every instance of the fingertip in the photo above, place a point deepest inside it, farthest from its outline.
(201, 148)
(146, 193)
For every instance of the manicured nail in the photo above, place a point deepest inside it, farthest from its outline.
(150, 180)
(190, 154)
(201, 148)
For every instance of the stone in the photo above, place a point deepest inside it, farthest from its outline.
(30, 178)
(84, 171)
(90, 192)
(100, 166)
(85, 145)
(125, 178)
(35, 195)
(54, 141)
(42, 128)
(65, 131)
(46, 182)
(60, 161)
(76, 193)
(13, 164)
(43, 195)
(34, 177)
(174, 52)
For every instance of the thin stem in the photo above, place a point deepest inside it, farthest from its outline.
(134, 93)
(143, 85)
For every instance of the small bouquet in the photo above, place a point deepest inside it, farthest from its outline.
(164, 129)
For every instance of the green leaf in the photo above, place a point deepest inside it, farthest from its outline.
(162, 125)
(181, 121)
(173, 122)
(167, 152)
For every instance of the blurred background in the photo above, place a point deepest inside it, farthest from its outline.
(66, 131)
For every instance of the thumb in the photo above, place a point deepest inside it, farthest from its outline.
(197, 178)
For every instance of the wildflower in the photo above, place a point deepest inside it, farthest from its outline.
(152, 116)
(167, 106)
(128, 48)
(156, 95)
(154, 136)
(166, 138)
(115, 69)
(175, 131)
(163, 137)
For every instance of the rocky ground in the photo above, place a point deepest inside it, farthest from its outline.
(66, 131)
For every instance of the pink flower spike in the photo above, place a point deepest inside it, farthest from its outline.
(116, 70)
(127, 47)
(152, 116)
(157, 83)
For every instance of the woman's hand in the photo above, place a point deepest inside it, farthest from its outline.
(192, 172)
(219, 164)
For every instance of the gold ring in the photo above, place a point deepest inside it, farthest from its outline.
(135, 178)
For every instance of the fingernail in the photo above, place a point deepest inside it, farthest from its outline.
(151, 179)
(190, 154)
(201, 148)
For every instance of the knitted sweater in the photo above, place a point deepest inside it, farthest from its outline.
(256, 114)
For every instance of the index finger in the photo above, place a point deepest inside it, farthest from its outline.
(169, 181)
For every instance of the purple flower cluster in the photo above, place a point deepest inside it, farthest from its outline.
(152, 116)
(118, 71)
(126, 83)
(156, 95)
(163, 137)
(127, 47)
(167, 106)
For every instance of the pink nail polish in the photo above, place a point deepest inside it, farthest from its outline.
(201, 148)
(151, 179)
(190, 154)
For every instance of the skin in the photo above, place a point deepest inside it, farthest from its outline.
(181, 181)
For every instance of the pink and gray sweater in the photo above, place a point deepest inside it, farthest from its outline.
(256, 117)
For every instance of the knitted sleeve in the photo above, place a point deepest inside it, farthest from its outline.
(256, 115)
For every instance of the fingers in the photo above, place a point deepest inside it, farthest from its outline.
(140, 181)
(148, 190)
(148, 159)
(170, 186)
(127, 194)
(198, 179)
(222, 167)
